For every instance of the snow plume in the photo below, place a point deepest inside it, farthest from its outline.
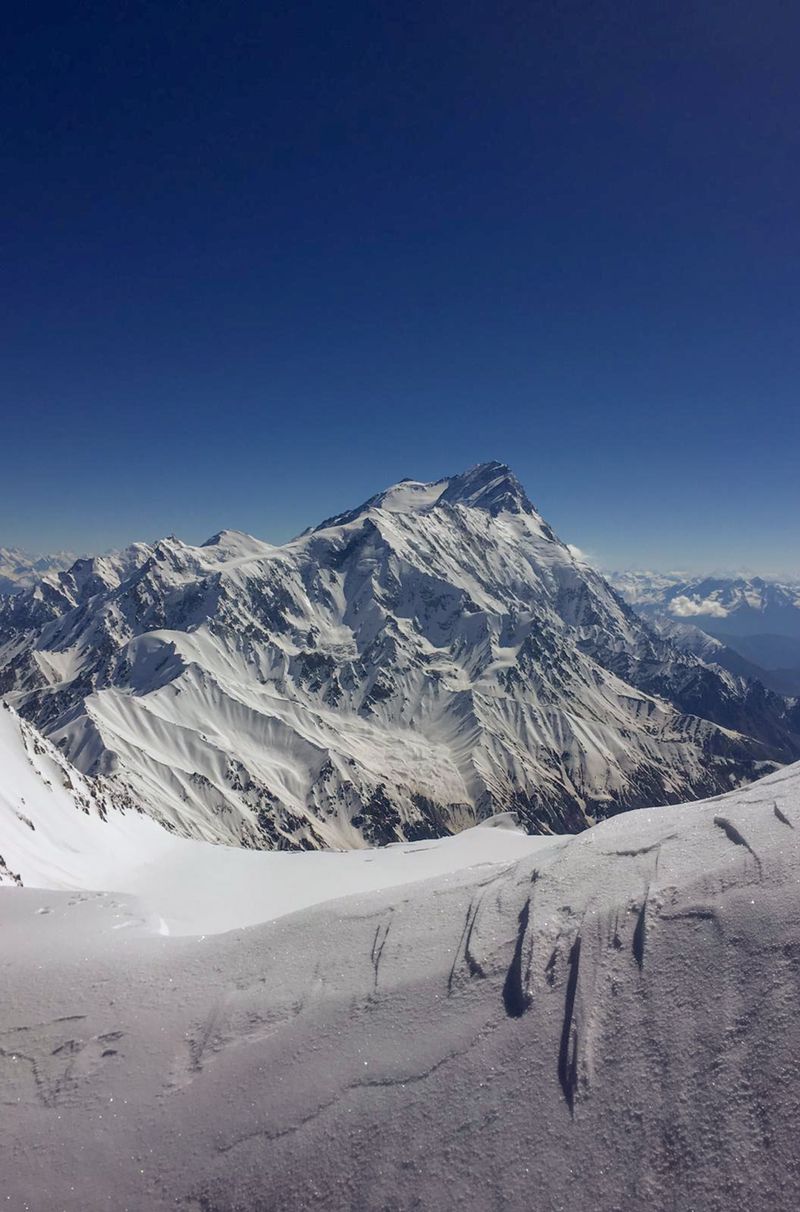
(578, 554)
(684, 607)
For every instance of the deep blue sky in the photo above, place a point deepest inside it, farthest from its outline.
(260, 260)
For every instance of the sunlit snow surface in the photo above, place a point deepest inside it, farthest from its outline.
(607, 1021)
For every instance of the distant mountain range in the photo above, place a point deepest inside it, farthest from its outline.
(755, 622)
(404, 669)
(20, 569)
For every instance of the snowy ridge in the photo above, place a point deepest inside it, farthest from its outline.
(403, 671)
(526, 1032)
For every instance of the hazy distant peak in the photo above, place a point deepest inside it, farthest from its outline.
(20, 569)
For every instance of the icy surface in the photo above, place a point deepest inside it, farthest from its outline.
(608, 1021)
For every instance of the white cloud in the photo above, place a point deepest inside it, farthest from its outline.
(684, 607)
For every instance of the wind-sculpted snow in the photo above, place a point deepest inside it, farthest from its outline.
(403, 671)
(609, 1021)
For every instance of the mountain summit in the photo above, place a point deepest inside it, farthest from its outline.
(489, 486)
(404, 669)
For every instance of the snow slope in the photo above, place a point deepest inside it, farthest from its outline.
(608, 1022)
(402, 671)
(57, 834)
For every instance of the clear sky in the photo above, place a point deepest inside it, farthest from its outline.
(262, 259)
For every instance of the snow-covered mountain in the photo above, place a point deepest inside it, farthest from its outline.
(20, 569)
(402, 670)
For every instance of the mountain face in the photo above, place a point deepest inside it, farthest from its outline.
(403, 670)
(19, 569)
